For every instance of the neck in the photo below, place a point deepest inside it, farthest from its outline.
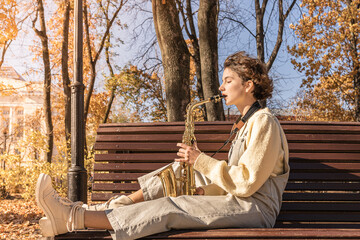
(243, 108)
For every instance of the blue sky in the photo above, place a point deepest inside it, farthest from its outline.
(287, 80)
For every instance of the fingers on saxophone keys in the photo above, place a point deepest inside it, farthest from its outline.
(181, 160)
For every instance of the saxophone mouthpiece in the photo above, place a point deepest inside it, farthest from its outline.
(216, 98)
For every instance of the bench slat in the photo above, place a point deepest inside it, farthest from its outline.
(244, 233)
(321, 206)
(206, 137)
(155, 147)
(317, 216)
(171, 147)
(316, 196)
(294, 157)
(322, 166)
(323, 186)
(324, 176)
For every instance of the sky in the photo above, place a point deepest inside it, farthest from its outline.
(287, 79)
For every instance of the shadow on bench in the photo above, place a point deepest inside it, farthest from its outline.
(322, 198)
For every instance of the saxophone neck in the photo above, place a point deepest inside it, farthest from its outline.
(214, 99)
(189, 137)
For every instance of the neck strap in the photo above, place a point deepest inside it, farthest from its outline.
(239, 123)
(242, 119)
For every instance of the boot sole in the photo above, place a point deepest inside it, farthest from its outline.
(46, 224)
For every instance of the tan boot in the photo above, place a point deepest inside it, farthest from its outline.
(62, 215)
(114, 202)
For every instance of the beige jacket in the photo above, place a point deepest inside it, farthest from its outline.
(259, 155)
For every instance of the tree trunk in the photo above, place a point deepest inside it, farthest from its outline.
(208, 33)
(112, 96)
(47, 78)
(260, 34)
(65, 76)
(175, 58)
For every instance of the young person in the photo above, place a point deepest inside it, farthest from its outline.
(245, 191)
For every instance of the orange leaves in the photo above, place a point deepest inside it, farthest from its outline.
(328, 54)
(140, 92)
(19, 219)
(8, 28)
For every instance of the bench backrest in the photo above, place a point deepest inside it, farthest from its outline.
(324, 183)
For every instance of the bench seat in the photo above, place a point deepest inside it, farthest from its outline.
(321, 200)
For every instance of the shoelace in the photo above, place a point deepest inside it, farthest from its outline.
(75, 206)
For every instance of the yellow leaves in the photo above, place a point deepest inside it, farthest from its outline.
(141, 93)
(19, 219)
(8, 28)
(325, 53)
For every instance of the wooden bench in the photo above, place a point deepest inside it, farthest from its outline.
(321, 201)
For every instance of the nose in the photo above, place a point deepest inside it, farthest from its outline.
(221, 88)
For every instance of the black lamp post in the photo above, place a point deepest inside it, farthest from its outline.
(77, 176)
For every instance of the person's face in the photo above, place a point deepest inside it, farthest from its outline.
(233, 88)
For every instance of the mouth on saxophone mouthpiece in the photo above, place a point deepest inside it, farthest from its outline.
(216, 98)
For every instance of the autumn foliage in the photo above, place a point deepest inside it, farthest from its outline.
(328, 54)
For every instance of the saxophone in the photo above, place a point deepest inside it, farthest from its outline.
(185, 184)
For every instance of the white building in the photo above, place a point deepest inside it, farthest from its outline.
(18, 99)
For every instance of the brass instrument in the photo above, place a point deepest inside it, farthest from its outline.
(185, 184)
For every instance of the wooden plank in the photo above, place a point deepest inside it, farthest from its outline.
(325, 138)
(154, 147)
(316, 196)
(115, 186)
(163, 129)
(322, 206)
(209, 137)
(145, 157)
(314, 216)
(294, 176)
(323, 186)
(116, 176)
(164, 156)
(138, 167)
(325, 166)
(316, 156)
(226, 127)
(259, 233)
(328, 167)
(169, 147)
(85, 234)
(317, 225)
(104, 196)
(160, 138)
(321, 147)
(241, 233)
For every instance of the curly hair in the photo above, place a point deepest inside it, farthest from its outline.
(248, 68)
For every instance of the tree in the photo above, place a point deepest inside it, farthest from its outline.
(175, 58)
(328, 53)
(204, 51)
(47, 76)
(93, 51)
(208, 34)
(65, 74)
(140, 93)
(8, 25)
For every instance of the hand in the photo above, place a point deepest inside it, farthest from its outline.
(187, 153)
(199, 191)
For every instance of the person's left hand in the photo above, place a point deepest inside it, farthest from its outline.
(187, 153)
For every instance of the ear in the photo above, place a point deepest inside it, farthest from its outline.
(249, 86)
